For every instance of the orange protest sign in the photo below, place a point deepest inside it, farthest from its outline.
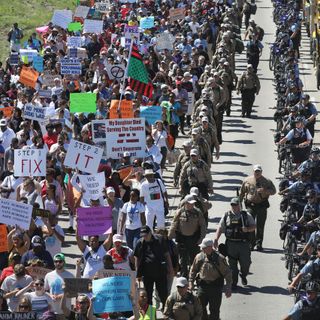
(3, 238)
(125, 110)
(28, 77)
(7, 111)
(124, 172)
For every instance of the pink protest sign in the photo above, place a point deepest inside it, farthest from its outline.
(43, 29)
(94, 221)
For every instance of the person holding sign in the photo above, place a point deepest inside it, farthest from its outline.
(160, 136)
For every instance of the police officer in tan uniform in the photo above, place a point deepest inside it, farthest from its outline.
(182, 159)
(196, 173)
(188, 228)
(255, 191)
(182, 304)
(249, 86)
(209, 270)
(201, 144)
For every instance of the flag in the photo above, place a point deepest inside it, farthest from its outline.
(138, 74)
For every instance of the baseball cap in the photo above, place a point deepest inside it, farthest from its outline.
(205, 119)
(189, 198)
(117, 238)
(181, 282)
(187, 144)
(204, 108)
(235, 201)
(187, 74)
(194, 191)
(206, 243)
(3, 122)
(164, 86)
(127, 92)
(194, 152)
(257, 167)
(110, 190)
(148, 172)
(59, 256)
(145, 230)
(126, 154)
(36, 241)
(194, 131)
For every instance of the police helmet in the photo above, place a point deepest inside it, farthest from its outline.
(312, 286)
(311, 193)
(294, 108)
(315, 150)
(300, 187)
(299, 119)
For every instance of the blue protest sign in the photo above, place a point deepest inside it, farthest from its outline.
(147, 23)
(70, 66)
(38, 63)
(111, 295)
(151, 114)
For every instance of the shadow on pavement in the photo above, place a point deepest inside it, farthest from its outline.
(238, 163)
(237, 130)
(266, 289)
(231, 173)
(229, 181)
(232, 154)
(241, 141)
(272, 251)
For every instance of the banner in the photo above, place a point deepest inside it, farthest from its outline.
(75, 286)
(6, 315)
(81, 12)
(61, 18)
(111, 295)
(30, 162)
(36, 212)
(83, 102)
(38, 63)
(176, 14)
(70, 66)
(74, 42)
(94, 221)
(93, 26)
(74, 26)
(125, 111)
(98, 130)
(115, 71)
(3, 238)
(147, 23)
(125, 135)
(93, 184)
(37, 272)
(151, 114)
(15, 213)
(28, 77)
(33, 112)
(83, 156)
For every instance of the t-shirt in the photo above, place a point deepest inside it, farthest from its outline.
(53, 282)
(44, 256)
(93, 261)
(121, 260)
(40, 304)
(53, 244)
(152, 195)
(11, 283)
(133, 212)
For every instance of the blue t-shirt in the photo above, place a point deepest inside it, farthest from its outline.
(45, 256)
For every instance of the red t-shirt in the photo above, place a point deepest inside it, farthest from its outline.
(50, 140)
(6, 272)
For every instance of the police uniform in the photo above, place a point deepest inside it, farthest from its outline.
(210, 272)
(182, 160)
(306, 309)
(188, 228)
(201, 144)
(210, 135)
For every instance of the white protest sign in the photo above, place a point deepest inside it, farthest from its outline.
(125, 135)
(164, 41)
(48, 79)
(50, 112)
(44, 93)
(33, 112)
(15, 213)
(61, 18)
(70, 66)
(102, 6)
(81, 11)
(30, 162)
(93, 185)
(131, 33)
(83, 156)
(29, 53)
(74, 42)
(92, 26)
(115, 71)
(190, 103)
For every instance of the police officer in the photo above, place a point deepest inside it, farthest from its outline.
(313, 164)
(309, 112)
(182, 304)
(255, 191)
(237, 224)
(182, 159)
(249, 86)
(209, 269)
(188, 228)
(200, 143)
(254, 51)
(196, 173)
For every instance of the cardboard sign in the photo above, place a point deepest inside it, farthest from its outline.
(131, 33)
(190, 103)
(6, 315)
(14, 58)
(43, 93)
(176, 14)
(36, 212)
(98, 130)
(3, 238)
(28, 77)
(74, 26)
(27, 55)
(81, 11)
(93, 185)
(42, 29)
(102, 6)
(74, 286)
(83, 156)
(93, 26)
(147, 23)
(94, 221)
(38, 63)
(123, 111)
(30, 162)
(61, 18)
(74, 42)
(15, 213)
(7, 111)
(115, 71)
(111, 295)
(37, 272)
(70, 66)
(151, 114)
(124, 172)
(48, 79)
(103, 273)
(126, 135)
(164, 41)
(33, 112)
(83, 102)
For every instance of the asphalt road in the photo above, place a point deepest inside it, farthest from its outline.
(245, 143)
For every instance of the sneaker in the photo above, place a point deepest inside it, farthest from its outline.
(244, 280)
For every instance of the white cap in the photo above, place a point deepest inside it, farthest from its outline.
(189, 198)
(181, 282)
(194, 191)
(126, 154)
(187, 74)
(206, 243)
(163, 86)
(194, 152)
(194, 131)
(3, 122)
(205, 119)
(148, 172)
(117, 238)
(187, 144)
(110, 190)
(257, 167)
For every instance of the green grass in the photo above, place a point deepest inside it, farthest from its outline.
(29, 14)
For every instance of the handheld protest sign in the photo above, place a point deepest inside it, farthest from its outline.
(37, 272)
(30, 162)
(3, 238)
(74, 286)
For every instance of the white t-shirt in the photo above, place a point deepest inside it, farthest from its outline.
(160, 138)
(6, 137)
(93, 261)
(40, 304)
(53, 244)
(133, 212)
(12, 182)
(152, 195)
(53, 282)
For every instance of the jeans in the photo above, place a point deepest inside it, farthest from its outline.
(132, 237)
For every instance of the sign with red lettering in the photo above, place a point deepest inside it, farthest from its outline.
(30, 162)
(83, 156)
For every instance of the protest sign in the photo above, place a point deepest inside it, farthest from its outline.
(83, 156)
(3, 238)
(48, 79)
(83, 102)
(147, 23)
(61, 18)
(74, 26)
(15, 213)
(7, 111)
(176, 14)
(28, 77)
(123, 111)
(102, 6)
(30, 162)
(27, 55)
(164, 41)
(111, 295)
(81, 11)
(33, 112)
(43, 93)
(128, 1)
(151, 114)
(131, 33)
(94, 221)
(14, 58)
(98, 130)
(70, 66)
(75, 286)
(74, 42)
(124, 172)
(92, 26)
(37, 272)
(93, 185)
(6, 315)
(36, 212)
(115, 71)
(190, 103)
(38, 63)
(126, 135)
(42, 29)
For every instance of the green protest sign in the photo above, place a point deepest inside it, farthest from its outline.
(83, 102)
(74, 26)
